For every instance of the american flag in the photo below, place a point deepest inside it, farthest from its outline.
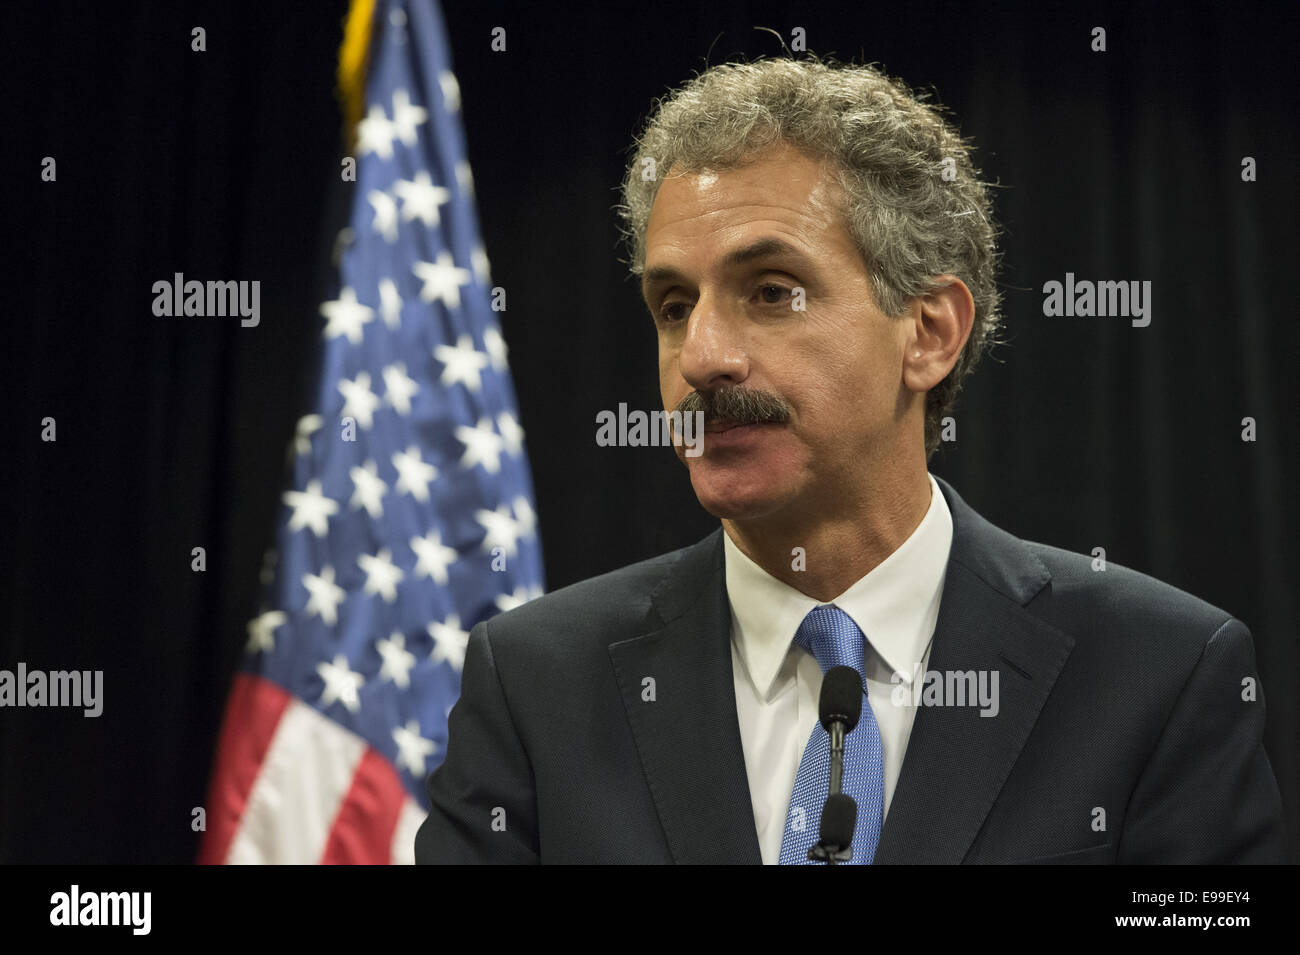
(409, 517)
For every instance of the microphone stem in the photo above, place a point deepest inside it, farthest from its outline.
(837, 757)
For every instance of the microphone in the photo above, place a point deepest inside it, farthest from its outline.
(841, 707)
(839, 817)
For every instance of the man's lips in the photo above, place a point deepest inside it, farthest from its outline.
(717, 427)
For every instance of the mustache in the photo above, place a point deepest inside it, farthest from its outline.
(739, 405)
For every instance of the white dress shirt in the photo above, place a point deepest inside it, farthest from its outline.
(778, 683)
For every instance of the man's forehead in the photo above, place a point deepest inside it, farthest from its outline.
(777, 176)
(780, 204)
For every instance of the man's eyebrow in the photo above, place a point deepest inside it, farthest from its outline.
(759, 249)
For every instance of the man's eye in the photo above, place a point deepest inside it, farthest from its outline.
(670, 313)
(773, 294)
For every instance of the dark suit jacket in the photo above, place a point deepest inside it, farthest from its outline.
(1117, 693)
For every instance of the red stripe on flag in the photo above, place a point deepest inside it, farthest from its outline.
(253, 713)
(362, 833)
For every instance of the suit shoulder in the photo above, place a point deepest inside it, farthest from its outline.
(1120, 599)
(605, 607)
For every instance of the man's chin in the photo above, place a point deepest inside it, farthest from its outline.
(737, 503)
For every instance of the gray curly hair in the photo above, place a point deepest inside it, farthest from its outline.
(915, 204)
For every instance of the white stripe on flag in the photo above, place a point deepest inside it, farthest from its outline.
(408, 823)
(307, 773)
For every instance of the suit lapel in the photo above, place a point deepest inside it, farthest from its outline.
(688, 737)
(957, 760)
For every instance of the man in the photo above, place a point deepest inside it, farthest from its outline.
(818, 256)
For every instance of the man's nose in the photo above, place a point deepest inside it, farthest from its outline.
(713, 353)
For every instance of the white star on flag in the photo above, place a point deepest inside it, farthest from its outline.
(442, 279)
(478, 261)
(512, 436)
(413, 473)
(261, 631)
(433, 557)
(311, 509)
(449, 642)
(461, 362)
(450, 90)
(521, 596)
(412, 748)
(375, 133)
(465, 178)
(398, 660)
(421, 198)
(390, 303)
(482, 446)
(382, 575)
(399, 387)
(325, 595)
(308, 425)
(346, 316)
(358, 400)
(501, 529)
(495, 346)
(369, 489)
(407, 118)
(525, 519)
(341, 683)
(385, 221)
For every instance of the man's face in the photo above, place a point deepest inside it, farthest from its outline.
(724, 251)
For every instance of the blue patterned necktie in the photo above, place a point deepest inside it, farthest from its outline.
(831, 636)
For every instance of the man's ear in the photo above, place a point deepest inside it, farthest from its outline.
(940, 324)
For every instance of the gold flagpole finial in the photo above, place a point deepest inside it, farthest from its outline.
(354, 61)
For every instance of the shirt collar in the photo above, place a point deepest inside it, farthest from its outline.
(891, 605)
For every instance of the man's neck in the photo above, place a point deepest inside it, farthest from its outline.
(824, 557)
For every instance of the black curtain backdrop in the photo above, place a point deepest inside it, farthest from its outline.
(1080, 433)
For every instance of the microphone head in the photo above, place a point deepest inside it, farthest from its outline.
(839, 817)
(841, 698)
